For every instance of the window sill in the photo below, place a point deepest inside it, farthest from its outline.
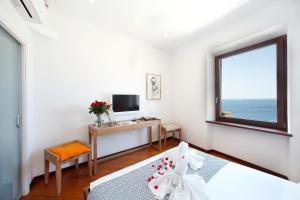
(255, 128)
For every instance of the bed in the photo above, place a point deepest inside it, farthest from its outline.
(224, 180)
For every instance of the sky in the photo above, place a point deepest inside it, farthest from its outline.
(250, 75)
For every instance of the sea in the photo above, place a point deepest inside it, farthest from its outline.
(251, 109)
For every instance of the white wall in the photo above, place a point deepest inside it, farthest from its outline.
(189, 69)
(87, 63)
(294, 82)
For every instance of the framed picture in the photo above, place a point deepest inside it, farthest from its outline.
(153, 86)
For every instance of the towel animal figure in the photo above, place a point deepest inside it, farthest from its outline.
(175, 184)
(195, 161)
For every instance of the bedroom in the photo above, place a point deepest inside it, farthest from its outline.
(80, 51)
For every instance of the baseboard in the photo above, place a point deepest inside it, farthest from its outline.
(239, 161)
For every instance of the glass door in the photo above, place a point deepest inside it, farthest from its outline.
(9, 116)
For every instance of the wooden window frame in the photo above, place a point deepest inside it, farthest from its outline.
(281, 123)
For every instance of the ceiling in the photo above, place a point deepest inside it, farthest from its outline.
(162, 23)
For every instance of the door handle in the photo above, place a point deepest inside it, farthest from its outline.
(18, 121)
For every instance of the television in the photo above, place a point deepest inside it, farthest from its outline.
(125, 103)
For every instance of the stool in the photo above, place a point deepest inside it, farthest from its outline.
(171, 128)
(63, 153)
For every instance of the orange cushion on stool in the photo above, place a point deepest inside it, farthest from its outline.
(69, 150)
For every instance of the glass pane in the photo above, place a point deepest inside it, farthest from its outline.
(249, 85)
(9, 101)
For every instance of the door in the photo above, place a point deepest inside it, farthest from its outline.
(9, 112)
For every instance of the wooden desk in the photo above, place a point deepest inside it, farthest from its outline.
(106, 130)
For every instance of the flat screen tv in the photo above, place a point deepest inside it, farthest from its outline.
(125, 103)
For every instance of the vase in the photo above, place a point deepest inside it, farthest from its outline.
(99, 121)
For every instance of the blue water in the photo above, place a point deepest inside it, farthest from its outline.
(252, 109)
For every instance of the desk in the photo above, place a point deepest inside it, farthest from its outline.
(106, 130)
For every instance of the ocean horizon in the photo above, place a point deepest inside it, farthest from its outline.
(251, 109)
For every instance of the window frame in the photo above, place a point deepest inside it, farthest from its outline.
(281, 123)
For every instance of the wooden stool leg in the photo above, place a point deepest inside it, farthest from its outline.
(90, 163)
(46, 170)
(165, 138)
(58, 178)
(159, 137)
(180, 134)
(149, 135)
(77, 163)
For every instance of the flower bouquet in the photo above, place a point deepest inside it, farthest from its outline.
(98, 108)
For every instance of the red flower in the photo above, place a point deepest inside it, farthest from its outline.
(99, 107)
(156, 187)
(167, 158)
(165, 163)
(149, 179)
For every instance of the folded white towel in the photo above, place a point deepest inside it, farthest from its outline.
(175, 182)
(195, 160)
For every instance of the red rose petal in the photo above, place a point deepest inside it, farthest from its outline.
(156, 187)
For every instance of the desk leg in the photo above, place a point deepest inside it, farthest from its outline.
(90, 139)
(159, 136)
(95, 153)
(150, 135)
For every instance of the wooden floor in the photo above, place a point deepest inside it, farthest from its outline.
(73, 181)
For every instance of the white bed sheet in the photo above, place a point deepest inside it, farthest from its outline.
(232, 182)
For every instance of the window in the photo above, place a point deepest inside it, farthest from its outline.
(251, 85)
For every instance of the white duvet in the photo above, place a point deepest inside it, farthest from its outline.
(232, 182)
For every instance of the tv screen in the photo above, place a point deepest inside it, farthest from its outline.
(125, 103)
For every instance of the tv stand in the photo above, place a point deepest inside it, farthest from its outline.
(123, 126)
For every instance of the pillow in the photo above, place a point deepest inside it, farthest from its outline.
(69, 150)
